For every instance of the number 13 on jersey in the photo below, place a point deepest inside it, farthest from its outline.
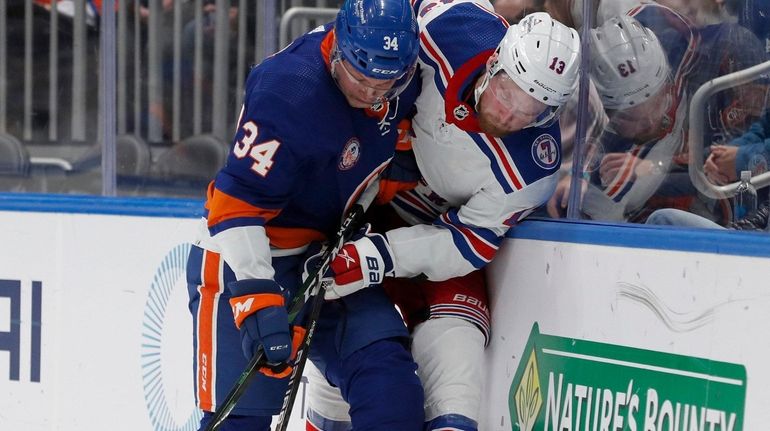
(262, 154)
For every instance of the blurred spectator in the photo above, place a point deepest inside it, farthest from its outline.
(749, 152)
(67, 8)
(701, 12)
(569, 12)
(753, 15)
(726, 48)
(205, 77)
(755, 221)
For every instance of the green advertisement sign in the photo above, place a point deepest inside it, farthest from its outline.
(565, 384)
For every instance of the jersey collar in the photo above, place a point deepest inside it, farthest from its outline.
(458, 100)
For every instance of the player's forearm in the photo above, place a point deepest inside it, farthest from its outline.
(428, 250)
(246, 250)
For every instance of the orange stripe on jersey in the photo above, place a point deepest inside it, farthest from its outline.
(207, 316)
(326, 47)
(224, 207)
(292, 237)
(404, 142)
(246, 305)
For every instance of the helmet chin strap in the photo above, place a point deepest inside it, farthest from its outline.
(479, 90)
(488, 74)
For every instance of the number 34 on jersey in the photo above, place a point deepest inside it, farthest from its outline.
(262, 154)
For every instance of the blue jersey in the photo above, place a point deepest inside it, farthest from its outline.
(301, 154)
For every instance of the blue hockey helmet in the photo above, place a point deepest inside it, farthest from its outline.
(379, 38)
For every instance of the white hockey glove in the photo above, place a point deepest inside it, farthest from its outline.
(361, 262)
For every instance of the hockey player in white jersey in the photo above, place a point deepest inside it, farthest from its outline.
(488, 148)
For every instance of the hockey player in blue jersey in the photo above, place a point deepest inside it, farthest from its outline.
(317, 126)
(488, 149)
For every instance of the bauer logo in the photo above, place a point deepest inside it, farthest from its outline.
(166, 351)
(546, 152)
(570, 384)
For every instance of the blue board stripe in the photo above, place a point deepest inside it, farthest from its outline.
(85, 204)
(730, 242)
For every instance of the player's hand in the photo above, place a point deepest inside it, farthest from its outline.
(260, 314)
(720, 165)
(280, 370)
(402, 172)
(360, 263)
(610, 166)
(557, 204)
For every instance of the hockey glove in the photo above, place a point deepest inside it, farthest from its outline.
(360, 263)
(402, 172)
(260, 314)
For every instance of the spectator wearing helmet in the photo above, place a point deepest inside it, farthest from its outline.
(316, 127)
(487, 145)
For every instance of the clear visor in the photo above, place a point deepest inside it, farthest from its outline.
(653, 108)
(514, 103)
(379, 90)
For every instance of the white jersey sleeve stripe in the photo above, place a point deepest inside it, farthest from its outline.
(624, 176)
(476, 251)
(433, 52)
(501, 163)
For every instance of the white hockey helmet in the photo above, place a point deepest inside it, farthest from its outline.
(542, 56)
(628, 64)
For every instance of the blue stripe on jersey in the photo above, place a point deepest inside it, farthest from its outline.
(463, 30)
(626, 187)
(465, 244)
(412, 210)
(236, 222)
(496, 168)
(487, 234)
(462, 245)
(427, 59)
(460, 32)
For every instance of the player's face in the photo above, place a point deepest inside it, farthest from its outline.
(505, 108)
(360, 90)
(645, 120)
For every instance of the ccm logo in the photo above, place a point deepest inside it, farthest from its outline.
(384, 71)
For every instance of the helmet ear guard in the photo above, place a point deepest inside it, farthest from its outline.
(379, 38)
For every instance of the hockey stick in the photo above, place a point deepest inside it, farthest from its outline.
(352, 221)
(348, 226)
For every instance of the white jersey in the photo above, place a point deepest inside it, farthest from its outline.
(475, 186)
